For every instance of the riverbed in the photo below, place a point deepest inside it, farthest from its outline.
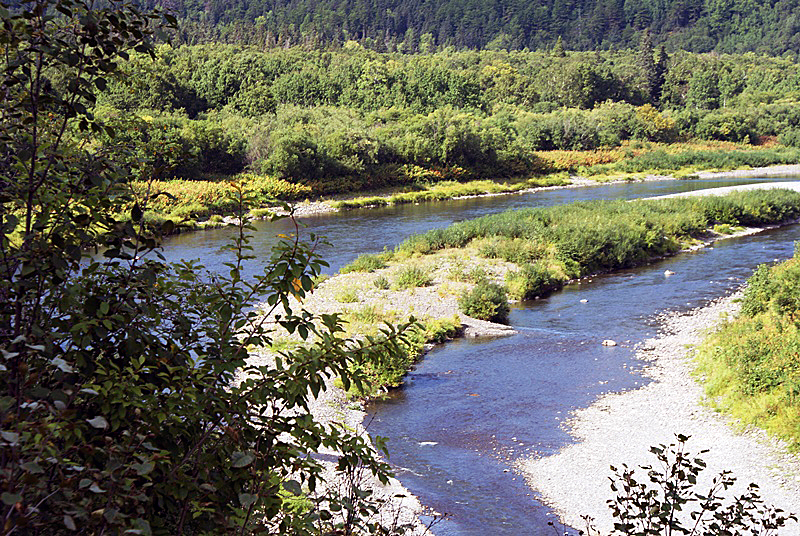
(473, 408)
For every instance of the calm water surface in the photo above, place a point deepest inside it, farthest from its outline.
(472, 408)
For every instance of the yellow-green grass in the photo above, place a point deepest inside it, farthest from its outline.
(751, 366)
(451, 189)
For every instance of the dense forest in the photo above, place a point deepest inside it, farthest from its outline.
(354, 118)
(724, 26)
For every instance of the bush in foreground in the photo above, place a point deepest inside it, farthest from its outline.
(665, 500)
(129, 400)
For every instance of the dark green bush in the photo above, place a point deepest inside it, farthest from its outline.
(486, 301)
(532, 280)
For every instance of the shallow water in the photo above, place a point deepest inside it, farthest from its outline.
(473, 407)
(371, 230)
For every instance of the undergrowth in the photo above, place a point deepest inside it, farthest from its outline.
(555, 244)
(751, 366)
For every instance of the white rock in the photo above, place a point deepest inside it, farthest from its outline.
(609, 342)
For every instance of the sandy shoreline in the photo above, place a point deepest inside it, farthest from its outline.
(620, 427)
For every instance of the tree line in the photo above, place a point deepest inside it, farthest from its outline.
(411, 26)
(314, 115)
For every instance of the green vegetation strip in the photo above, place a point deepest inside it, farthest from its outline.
(662, 161)
(451, 189)
(551, 245)
(751, 367)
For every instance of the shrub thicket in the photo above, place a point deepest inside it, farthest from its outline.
(485, 301)
(750, 366)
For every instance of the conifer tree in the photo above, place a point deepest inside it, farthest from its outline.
(558, 49)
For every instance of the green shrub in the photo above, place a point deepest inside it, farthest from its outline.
(533, 280)
(367, 262)
(412, 276)
(790, 137)
(381, 283)
(486, 301)
(650, 500)
(750, 366)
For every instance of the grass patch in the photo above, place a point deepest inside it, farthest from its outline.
(346, 295)
(412, 276)
(442, 190)
(672, 159)
(381, 283)
(368, 262)
(555, 244)
(751, 366)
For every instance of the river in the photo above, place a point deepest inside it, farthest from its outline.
(472, 408)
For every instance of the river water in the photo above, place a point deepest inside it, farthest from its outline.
(472, 408)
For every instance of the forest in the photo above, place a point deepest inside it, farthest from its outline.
(309, 122)
(724, 26)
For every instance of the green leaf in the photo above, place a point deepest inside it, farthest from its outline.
(98, 422)
(10, 499)
(11, 437)
(32, 467)
(62, 365)
(293, 487)
(242, 459)
(143, 468)
(247, 499)
(136, 213)
(142, 527)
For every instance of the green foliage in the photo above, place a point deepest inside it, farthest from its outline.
(555, 244)
(367, 262)
(750, 365)
(534, 280)
(700, 159)
(733, 26)
(412, 276)
(347, 295)
(381, 283)
(666, 500)
(385, 370)
(485, 301)
(349, 118)
(129, 402)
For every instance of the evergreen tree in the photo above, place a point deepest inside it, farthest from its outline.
(650, 81)
(660, 73)
(558, 49)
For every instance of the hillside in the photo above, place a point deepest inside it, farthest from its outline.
(724, 26)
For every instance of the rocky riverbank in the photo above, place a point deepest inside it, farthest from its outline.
(620, 427)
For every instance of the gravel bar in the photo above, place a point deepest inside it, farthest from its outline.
(620, 427)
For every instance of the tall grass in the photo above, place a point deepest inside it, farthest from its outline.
(751, 366)
(663, 160)
(181, 199)
(554, 244)
(450, 189)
